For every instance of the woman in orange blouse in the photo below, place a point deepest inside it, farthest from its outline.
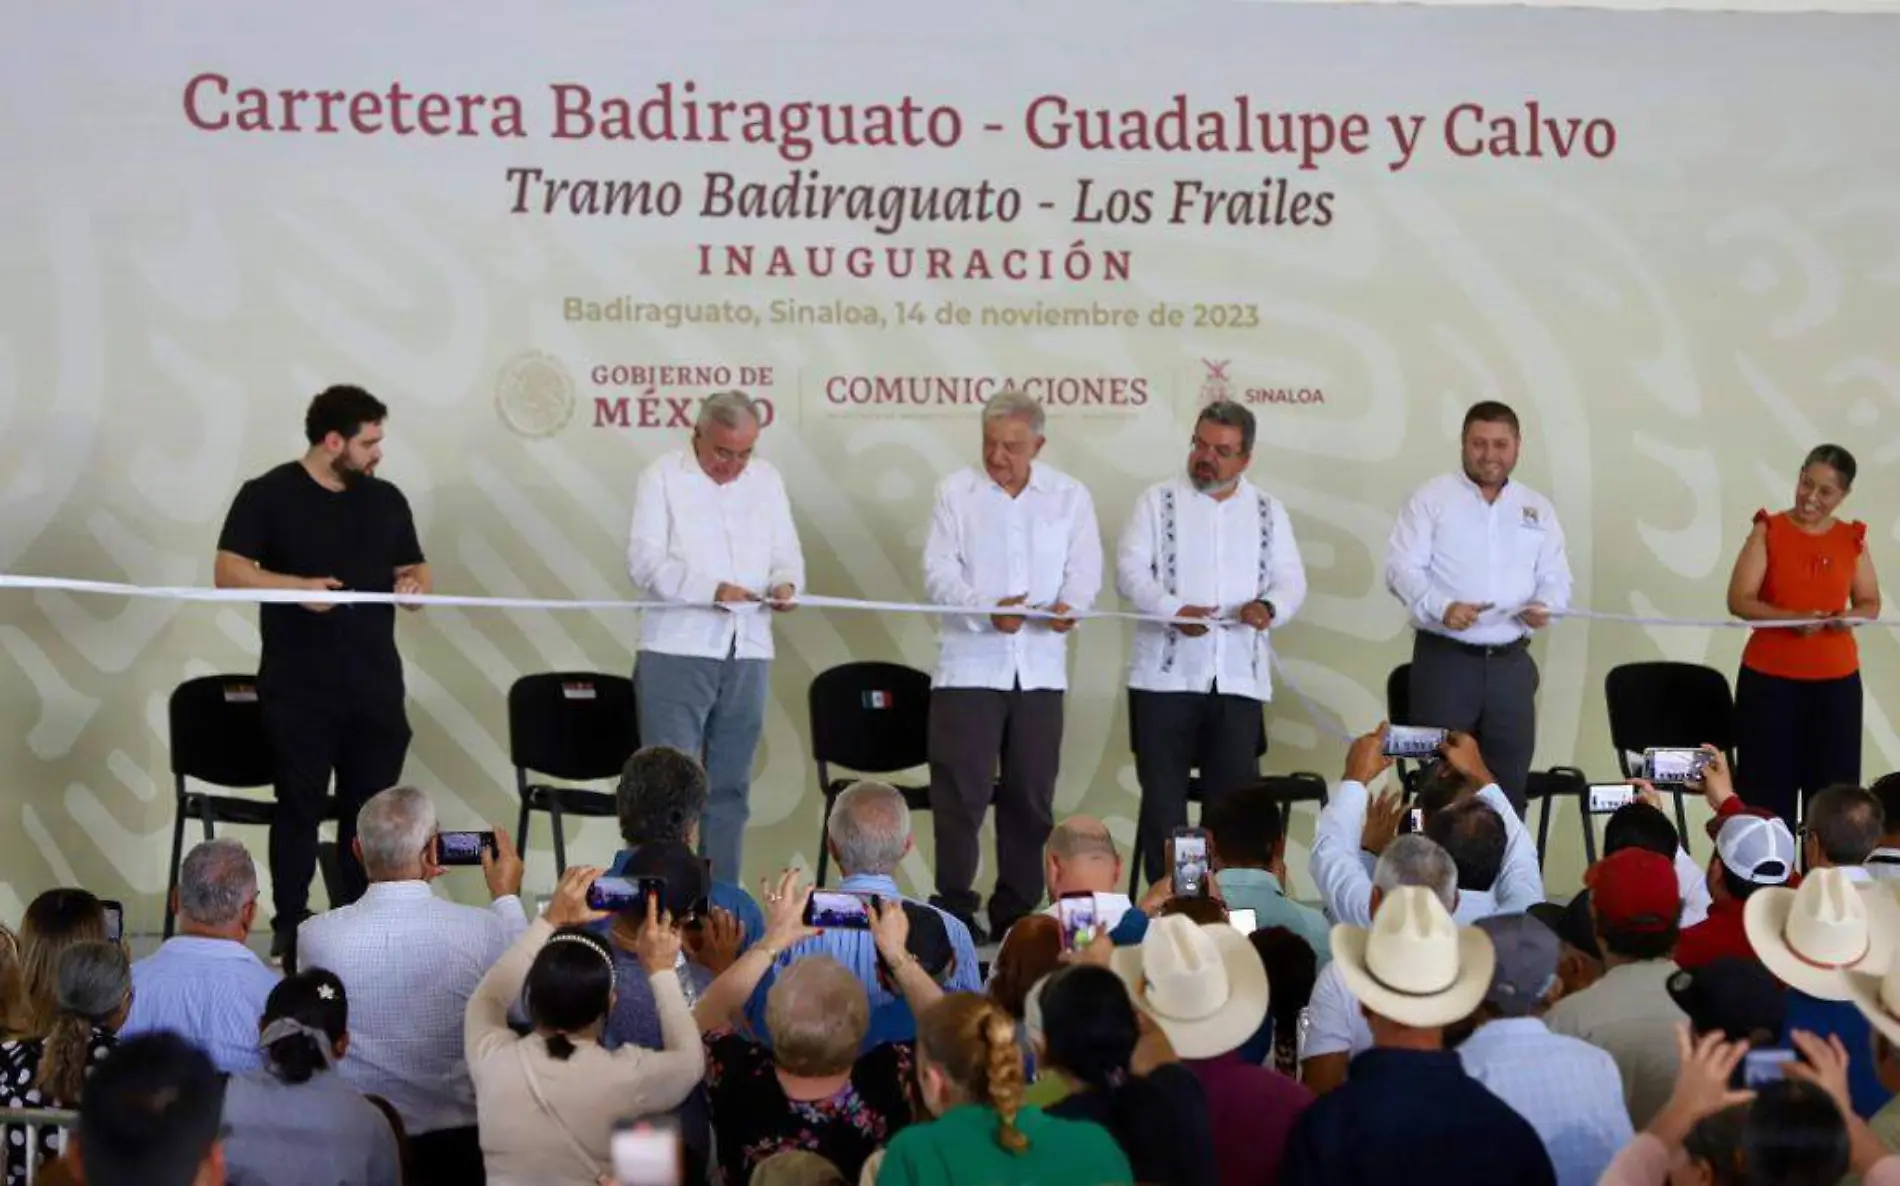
(1798, 696)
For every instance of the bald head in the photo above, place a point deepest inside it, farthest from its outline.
(1081, 857)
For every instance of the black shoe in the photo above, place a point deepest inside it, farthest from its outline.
(978, 936)
(1000, 924)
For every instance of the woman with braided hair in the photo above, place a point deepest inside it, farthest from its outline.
(970, 1075)
(293, 1122)
(546, 1103)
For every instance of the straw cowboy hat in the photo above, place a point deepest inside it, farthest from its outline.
(1203, 985)
(1414, 965)
(1807, 937)
(1879, 998)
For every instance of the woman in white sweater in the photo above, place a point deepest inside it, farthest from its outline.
(546, 1103)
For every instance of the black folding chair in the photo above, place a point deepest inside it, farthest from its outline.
(869, 717)
(1398, 711)
(1664, 704)
(577, 726)
(1196, 793)
(218, 737)
(1556, 783)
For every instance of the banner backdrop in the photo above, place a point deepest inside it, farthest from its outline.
(543, 233)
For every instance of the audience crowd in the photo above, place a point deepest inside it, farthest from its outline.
(1433, 1019)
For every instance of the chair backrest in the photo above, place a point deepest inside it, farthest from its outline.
(871, 717)
(1669, 704)
(1398, 695)
(217, 732)
(574, 725)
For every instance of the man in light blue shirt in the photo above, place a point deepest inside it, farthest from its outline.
(204, 983)
(1569, 1090)
(1250, 864)
(868, 835)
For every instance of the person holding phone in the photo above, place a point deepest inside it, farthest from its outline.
(1478, 562)
(1216, 553)
(1798, 694)
(547, 1102)
(1013, 531)
(712, 536)
(330, 681)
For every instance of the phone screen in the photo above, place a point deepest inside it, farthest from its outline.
(833, 910)
(1761, 1067)
(1080, 920)
(115, 920)
(1675, 766)
(1412, 741)
(1190, 863)
(646, 1153)
(1608, 798)
(462, 848)
(623, 893)
(1244, 920)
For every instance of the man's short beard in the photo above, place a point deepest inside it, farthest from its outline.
(1213, 486)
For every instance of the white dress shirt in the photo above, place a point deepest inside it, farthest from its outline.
(1883, 864)
(1569, 1090)
(409, 962)
(1182, 547)
(1693, 882)
(985, 546)
(1345, 884)
(1449, 544)
(689, 534)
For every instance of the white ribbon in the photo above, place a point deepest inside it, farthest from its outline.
(816, 601)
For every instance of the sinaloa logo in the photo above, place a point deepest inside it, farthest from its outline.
(1216, 386)
(534, 394)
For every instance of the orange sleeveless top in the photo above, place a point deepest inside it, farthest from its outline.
(1807, 573)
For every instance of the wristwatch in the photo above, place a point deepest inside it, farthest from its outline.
(1271, 612)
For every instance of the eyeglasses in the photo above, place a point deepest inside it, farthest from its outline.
(1224, 452)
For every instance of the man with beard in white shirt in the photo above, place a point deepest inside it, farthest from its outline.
(1211, 546)
(713, 537)
(1478, 561)
(1010, 532)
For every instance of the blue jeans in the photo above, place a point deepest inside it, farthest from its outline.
(713, 709)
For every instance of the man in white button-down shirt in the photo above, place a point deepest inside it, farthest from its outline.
(1205, 544)
(1010, 532)
(713, 534)
(409, 961)
(1478, 561)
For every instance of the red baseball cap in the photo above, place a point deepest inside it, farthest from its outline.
(1635, 889)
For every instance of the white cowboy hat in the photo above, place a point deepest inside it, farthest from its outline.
(1807, 937)
(1203, 985)
(1879, 998)
(1415, 965)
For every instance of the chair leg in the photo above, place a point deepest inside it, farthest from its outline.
(1682, 822)
(207, 814)
(178, 857)
(1583, 820)
(1134, 864)
(521, 828)
(560, 837)
(1543, 832)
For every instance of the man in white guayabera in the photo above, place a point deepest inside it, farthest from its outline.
(1009, 532)
(713, 538)
(1205, 544)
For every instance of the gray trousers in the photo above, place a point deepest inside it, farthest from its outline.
(713, 709)
(1488, 692)
(973, 731)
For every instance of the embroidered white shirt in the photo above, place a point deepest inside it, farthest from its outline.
(689, 534)
(1449, 544)
(985, 546)
(1182, 547)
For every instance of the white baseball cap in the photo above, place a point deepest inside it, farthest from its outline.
(1756, 849)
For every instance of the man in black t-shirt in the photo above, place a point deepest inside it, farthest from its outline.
(330, 680)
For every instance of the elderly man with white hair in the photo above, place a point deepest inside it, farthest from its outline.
(204, 982)
(869, 834)
(713, 538)
(1010, 532)
(409, 962)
